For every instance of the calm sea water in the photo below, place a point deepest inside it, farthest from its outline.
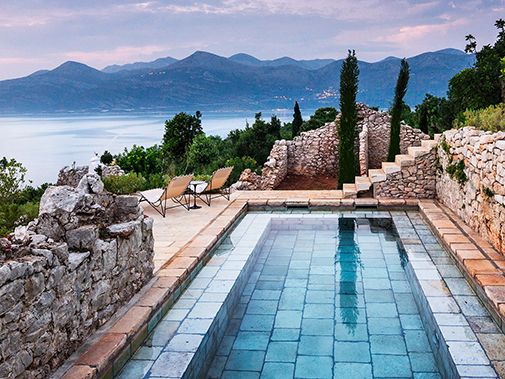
(46, 144)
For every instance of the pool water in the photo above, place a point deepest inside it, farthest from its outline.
(327, 303)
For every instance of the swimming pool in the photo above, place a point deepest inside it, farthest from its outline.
(348, 295)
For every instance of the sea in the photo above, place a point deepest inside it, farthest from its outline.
(46, 143)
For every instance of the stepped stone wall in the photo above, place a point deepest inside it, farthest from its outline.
(315, 152)
(480, 201)
(67, 273)
(416, 178)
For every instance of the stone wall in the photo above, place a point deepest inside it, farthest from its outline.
(480, 201)
(378, 124)
(71, 176)
(67, 273)
(416, 178)
(315, 152)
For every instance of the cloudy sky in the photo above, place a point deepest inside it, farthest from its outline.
(36, 34)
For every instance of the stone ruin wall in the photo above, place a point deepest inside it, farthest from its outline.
(480, 201)
(378, 125)
(67, 273)
(315, 152)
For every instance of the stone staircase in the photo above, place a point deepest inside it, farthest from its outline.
(365, 183)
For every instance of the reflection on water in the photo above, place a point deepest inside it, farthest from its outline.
(348, 258)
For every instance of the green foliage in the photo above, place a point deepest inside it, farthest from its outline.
(423, 120)
(446, 149)
(179, 134)
(239, 165)
(19, 204)
(320, 117)
(397, 109)
(297, 121)
(488, 192)
(15, 214)
(456, 171)
(149, 162)
(255, 141)
(12, 179)
(348, 119)
(106, 158)
(490, 119)
(205, 154)
(124, 184)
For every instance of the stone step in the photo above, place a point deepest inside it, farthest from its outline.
(377, 175)
(349, 190)
(418, 151)
(429, 143)
(437, 137)
(362, 183)
(404, 160)
(390, 167)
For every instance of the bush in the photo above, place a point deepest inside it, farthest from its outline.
(15, 214)
(205, 154)
(106, 158)
(457, 172)
(491, 119)
(124, 184)
(320, 117)
(12, 179)
(239, 165)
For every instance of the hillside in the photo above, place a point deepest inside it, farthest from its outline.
(208, 81)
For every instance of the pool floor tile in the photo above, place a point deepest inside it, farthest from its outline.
(391, 366)
(353, 370)
(388, 344)
(316, 345)
(245, 360)
(251, 341)
(281, 352)
(352, 352)
(314, 367)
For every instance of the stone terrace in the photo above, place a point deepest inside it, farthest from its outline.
(184, 240)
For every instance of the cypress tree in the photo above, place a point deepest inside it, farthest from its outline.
(423, 120)
(297, 120)
(348, 119)
(396, 111)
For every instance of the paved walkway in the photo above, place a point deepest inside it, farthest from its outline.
(180, 226)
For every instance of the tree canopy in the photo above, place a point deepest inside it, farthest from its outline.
(397, 109)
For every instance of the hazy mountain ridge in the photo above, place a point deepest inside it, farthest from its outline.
(208, 81)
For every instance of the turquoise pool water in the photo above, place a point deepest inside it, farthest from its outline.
(327, 304)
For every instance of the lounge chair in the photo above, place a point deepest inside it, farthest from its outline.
(175, 191)
(214, 187)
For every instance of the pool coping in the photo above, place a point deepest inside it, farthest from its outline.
(108, 349)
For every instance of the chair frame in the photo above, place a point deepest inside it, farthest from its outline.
(207, 193)
(160, 205)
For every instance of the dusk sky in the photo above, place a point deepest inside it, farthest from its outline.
(37, 34)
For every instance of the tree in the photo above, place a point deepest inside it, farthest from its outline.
(297, 120)
(423, 120)
(320, 117)
(396, 111)
(205, 154)
(12, 179)
(348, 119)
(179, 134)
(106, 158)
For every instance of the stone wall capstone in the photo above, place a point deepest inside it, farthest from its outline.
(66, 273)
(480, 201)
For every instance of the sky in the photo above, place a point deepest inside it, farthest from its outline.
(42, 34)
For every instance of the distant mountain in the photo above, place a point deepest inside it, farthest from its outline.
(207, 81)
(313, 64)
(158, 63)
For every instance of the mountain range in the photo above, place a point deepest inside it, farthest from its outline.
(207, 81)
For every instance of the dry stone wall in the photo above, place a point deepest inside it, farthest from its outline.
(480, 200)
(415, 179)
(379, 125)
(67, 273)
(315, 152)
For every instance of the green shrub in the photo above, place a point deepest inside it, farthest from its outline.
(124, 184)
(106, 158)
(457, 172)
(239, 165)
(14, 214)
(490, 119)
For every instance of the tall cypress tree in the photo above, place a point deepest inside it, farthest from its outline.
(297, 120)
(423, 119)
(348, 119)
(396, 111)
